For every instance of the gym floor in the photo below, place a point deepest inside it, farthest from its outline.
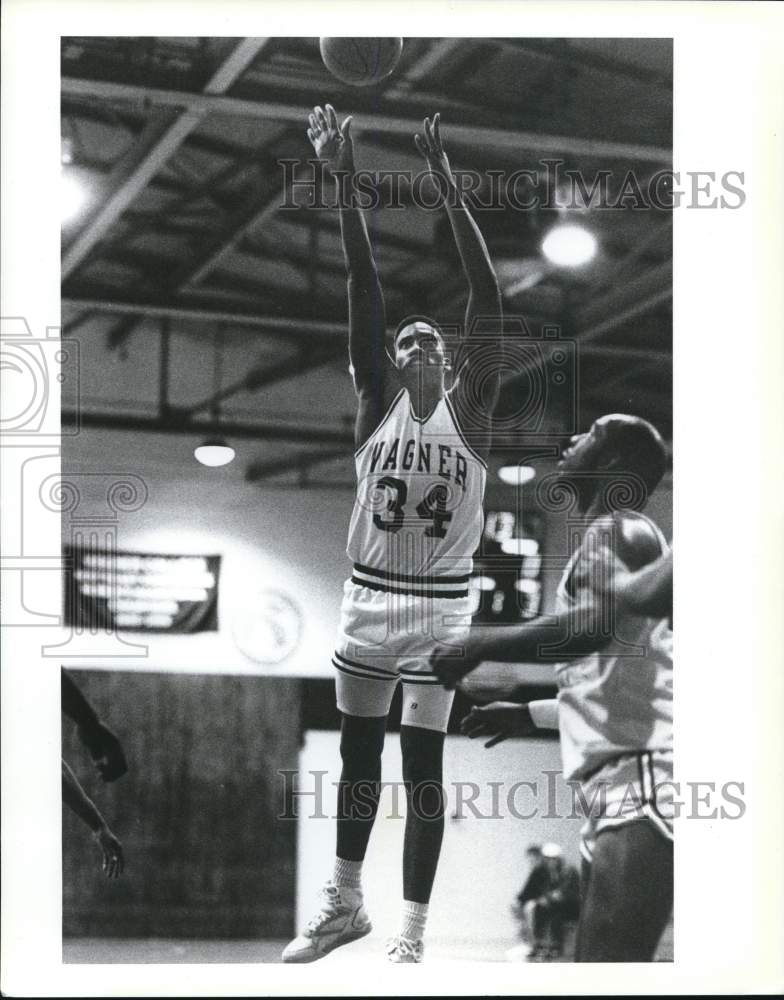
(116, 951)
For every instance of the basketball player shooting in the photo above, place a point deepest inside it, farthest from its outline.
(613, 660)
(421, 453)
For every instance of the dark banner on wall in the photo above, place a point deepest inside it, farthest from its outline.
(139, 592)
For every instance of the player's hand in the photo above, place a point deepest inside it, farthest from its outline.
(105, 750)
(112, 861)
(500, 720)
(451, 668)
(430, 146)
(331, 142)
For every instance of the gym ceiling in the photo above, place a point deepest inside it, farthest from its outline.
(200, 300)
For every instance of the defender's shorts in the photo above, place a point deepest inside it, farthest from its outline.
(631, 787)
(386, 637)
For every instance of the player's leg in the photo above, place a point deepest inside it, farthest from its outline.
(341, 918)
(629, 894)
(426, 708)
(423, 753)
(361, 744)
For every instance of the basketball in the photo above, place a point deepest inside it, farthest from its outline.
(360, 61)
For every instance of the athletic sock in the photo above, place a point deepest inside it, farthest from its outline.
(348, 874)
(414, 920)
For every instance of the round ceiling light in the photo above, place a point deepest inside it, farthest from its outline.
(569, 246)
(214, 452)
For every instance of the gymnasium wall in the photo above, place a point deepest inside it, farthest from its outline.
(196, 812)
(290, 541)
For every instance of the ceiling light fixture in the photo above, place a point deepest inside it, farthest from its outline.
(73, 196)
(569, 246)
(214, 452)
(516, 475)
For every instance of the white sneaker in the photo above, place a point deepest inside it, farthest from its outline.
(400, 949)
(342, 918)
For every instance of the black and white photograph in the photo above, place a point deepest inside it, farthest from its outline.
(355, 424)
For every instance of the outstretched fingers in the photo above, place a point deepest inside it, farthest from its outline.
(437, 131)
(321, 118)
(429, 143)
(332, 118)
(428, 130)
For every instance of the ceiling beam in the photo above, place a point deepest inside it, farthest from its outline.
(259, 377)
(441, 51)
(634, 355)
(230, 235)
(175, 423)
(469, 135)
(288, 326)
(639, 308)
(134, 120)
(154, 154)
(300, 461)
(628, 300)
(331, 224)
(564, 50)
(267, 324)
(657, 241)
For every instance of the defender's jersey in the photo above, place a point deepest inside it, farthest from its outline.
(618, 700)
(418, 510)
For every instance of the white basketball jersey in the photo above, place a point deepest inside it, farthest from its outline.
(618, 700)
(417, 517)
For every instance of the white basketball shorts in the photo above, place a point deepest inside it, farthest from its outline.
(385, 638)
(627, 788)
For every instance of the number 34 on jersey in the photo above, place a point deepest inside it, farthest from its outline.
(417, 480)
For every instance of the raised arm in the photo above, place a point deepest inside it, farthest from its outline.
(370, 365)
(484, 297)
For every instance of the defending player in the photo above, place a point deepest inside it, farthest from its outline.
(614, 706)
(80, 803)
(417, 519)
(109, 759)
